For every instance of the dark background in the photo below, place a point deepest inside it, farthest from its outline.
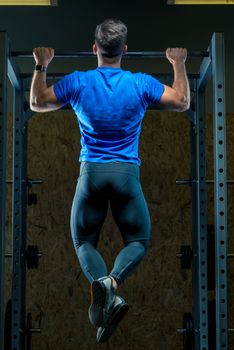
(153, 25)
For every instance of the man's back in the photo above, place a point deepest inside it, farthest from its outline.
(110, 104)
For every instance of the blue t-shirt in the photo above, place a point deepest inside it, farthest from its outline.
(110, 104)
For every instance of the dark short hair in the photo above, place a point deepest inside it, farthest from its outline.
(111, 36)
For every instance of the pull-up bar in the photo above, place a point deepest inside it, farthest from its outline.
(146, 54)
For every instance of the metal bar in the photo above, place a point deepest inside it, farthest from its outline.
(200, 280)
(4, 48)
(146, 54)
(209, 182)
(194, 229)
(12, 75)
(28, 115)
(230, 255)
(190, 115)
(19, 223)
(205, 73)
(9, 255)
(28, 181)
(220, 190)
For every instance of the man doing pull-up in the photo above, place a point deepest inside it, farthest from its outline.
(110, 104)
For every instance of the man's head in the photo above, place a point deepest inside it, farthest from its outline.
(110, 39)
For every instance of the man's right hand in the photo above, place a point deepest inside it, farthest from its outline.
(177, 97)
(176, 55)
(43, 55)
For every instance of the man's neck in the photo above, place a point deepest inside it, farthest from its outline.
(106, 63)
(109, 65)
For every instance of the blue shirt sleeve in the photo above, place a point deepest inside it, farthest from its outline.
(153, 89)
(64, 89)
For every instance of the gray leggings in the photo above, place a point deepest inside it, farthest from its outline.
(119, 184)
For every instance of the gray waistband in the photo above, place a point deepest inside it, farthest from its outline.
(122, 167)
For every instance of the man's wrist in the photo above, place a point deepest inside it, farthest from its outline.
(178, 64)
(40, 68)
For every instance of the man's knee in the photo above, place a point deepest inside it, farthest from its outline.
(83, 241)
(139, 246)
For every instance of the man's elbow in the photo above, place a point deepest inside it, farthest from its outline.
(37, 104)
(183, 104)
(33, 107)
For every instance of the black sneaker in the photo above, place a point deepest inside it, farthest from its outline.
(102, 301)
(118, 312)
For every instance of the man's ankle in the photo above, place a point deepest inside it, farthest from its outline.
(114, 283)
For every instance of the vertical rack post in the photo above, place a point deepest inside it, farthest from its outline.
(195, 294)
(220, 190)
(4, 49)
(199, 220)
(19, 222)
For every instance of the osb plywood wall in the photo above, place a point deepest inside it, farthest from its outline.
(159, 292)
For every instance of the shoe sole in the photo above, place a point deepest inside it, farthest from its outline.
(98, 299)
(112, 324)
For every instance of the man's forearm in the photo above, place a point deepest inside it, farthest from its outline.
(38, 86)
(42, 98)
(181, 83)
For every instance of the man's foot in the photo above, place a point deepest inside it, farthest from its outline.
(119, 310)
(102, 300)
